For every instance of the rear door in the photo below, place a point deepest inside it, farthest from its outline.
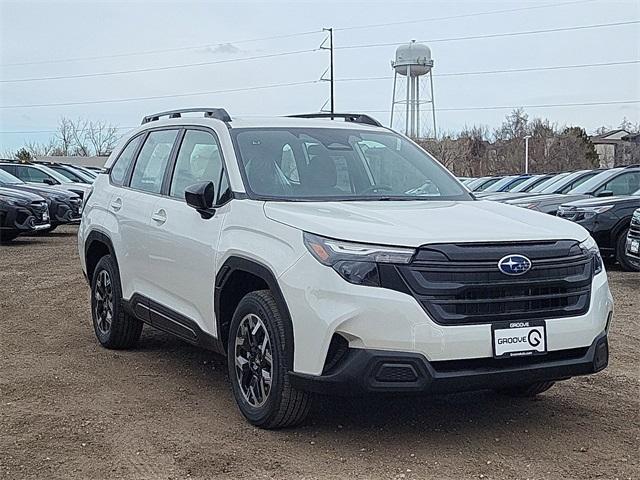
(133, 207)
(183, 245)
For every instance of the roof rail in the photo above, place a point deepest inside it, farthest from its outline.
(632, 166)
(218, 113)
(348, 117)
(14, 160)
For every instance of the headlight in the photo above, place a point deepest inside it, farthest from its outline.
(530, 206)
(355, 262)
(589, 212)
(590, 247)
(9, 200)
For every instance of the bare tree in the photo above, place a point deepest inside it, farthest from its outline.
(102, 137)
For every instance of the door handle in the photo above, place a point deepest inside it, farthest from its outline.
(160, 216)
(116, 204)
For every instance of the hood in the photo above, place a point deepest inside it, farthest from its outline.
(415, 223)
(46, 192)
(596, 202)
(25, 197)
(553, 198)
(503, 196)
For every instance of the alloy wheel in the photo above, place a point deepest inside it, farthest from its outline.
(253, 360)
(104, 302)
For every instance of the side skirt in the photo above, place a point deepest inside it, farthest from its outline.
(163, 318)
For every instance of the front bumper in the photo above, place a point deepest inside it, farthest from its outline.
(363, 371)
(322, 304)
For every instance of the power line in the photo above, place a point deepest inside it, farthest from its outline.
(291, 35)
(496, 35)
(493, 107)
(164, 50)
(156, 69)
(510, 70)
(510, 107)
(157, 97)
(464, 15)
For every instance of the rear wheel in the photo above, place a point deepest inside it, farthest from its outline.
(626, 263)
(529, 390)
(114, 327)
(258, 364)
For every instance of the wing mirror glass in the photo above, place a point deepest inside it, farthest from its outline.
(201, 196)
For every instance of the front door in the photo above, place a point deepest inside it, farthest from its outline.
(182, 258)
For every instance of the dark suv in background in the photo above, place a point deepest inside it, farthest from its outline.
(21, 212)
(607, 219)
(64, 207)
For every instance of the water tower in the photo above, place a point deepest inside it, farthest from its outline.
(413, 63)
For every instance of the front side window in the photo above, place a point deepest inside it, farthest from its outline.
(124, 161)
(624, 184)
(340, 164)
(199, 160)
(33, 175)
(149, 169)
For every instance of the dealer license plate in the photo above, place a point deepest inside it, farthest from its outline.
(518, 339)
(634, 246)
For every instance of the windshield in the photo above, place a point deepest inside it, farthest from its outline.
(7, 179)
(526, 185)
(340, 164)
(51, 172)
(594, 182)
(548, 183)
(500, 184)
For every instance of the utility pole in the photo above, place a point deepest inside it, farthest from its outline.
(526, 153)
(330, 48)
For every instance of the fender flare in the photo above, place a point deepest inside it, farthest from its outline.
(96, 236)
(237, 263)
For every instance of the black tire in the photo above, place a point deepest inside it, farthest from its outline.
(123, 330)
(283, 405)
(530, 390)
(625, 262)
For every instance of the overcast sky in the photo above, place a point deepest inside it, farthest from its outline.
(37, 33)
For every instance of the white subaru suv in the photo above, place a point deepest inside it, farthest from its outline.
(333, 257)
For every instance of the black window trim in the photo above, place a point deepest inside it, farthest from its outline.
(127, 183)
(168, 173)
(171, 166)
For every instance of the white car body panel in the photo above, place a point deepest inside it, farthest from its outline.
(176, 263)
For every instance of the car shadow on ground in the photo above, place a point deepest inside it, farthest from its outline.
(482, 413)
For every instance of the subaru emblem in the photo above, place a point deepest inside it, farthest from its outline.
(514, 265)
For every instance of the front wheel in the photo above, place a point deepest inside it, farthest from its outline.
(529, 390)
(626, 263)
(257, 357)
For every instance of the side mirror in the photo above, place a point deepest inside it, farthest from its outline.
(201, 196)
(605, 193)
(48, 181)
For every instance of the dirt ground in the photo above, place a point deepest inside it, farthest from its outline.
(70, 409)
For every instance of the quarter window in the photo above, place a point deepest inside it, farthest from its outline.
(198, 160)
(150, 167)
(124, 161)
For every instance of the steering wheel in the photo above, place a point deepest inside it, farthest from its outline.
(375, 188)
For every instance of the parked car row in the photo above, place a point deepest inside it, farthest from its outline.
(601, 200)
(37, 198)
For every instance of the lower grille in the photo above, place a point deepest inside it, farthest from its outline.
(634, 228)
(460, 284)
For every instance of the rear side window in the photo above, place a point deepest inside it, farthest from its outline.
(198, 160)
(152, 161)
(124, 161)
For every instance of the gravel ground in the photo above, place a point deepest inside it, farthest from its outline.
(70, 409)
